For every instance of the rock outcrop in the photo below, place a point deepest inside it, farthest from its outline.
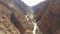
(47, 14)
(6, 27)
(13, 19)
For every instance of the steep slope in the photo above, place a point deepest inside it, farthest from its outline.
(6, 27)
(13, 19)
(47, 14)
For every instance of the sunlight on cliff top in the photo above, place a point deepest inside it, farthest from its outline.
(32, 2)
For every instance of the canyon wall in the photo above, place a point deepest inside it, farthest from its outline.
(47, 14)
(13, 18)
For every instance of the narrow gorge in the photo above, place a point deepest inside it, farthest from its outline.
(18, 18)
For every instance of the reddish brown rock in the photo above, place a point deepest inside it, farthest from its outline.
(47, 14)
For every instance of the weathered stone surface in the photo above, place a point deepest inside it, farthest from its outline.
(47, 14)
(13, 19)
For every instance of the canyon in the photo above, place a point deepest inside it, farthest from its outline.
(18, 18)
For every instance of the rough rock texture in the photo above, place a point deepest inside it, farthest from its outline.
(12, 18)
(47, 14)
(6, 27)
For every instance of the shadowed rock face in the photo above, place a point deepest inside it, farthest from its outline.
(47, 14)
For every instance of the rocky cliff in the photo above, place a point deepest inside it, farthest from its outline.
(13, 19)
(47, 14)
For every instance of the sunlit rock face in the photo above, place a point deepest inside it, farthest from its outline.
(13, 19)
(47, 14)
(6, 27)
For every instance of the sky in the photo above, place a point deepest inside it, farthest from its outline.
(32, 2)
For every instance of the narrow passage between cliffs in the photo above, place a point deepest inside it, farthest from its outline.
(30, 17)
